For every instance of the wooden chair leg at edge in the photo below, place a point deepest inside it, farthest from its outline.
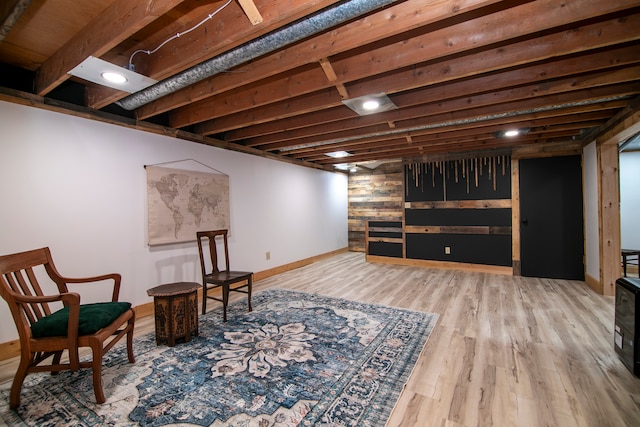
(16, 386)
(96, 367)
(131, 324)
(204, 298)
(225, 301)
(97, 351)
(56, 361)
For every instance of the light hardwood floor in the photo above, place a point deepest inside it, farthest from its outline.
(506, 351)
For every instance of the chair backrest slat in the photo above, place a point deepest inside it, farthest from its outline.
(213, 251)
(18, 284)
(18, 277)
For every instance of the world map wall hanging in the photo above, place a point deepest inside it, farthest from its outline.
(181, 202)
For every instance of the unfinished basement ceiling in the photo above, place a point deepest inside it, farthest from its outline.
(270, 78)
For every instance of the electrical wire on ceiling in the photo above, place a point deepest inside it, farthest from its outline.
(177, 35)
(304, 27)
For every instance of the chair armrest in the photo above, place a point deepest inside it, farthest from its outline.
(116, 277)
(71, 300)
(29, 299)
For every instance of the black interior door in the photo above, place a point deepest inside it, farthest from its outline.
(551, 228)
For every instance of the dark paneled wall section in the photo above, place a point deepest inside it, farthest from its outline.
(456, 211)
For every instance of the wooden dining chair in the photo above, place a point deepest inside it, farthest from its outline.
(218, 277)
(45, 333)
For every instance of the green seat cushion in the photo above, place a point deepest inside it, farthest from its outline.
(93, 317)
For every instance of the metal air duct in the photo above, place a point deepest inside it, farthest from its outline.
(299, 30)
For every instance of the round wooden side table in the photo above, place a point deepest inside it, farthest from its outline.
(176, 311)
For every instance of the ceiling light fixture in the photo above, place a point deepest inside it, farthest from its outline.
(511, 133)
(370, 104)
(107, 74)
(113, 77)
(338, 154)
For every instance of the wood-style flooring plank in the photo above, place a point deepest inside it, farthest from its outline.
(506, 351)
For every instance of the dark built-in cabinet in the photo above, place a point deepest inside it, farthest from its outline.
(459, 211)
(465, 214)
(454, 211)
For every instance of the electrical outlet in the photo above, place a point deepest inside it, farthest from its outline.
(447, 250)
(268, 255)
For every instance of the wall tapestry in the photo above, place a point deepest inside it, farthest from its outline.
(181, 202)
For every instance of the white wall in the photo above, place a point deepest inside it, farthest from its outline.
(630, 199)
(591, 225)
(79, 187)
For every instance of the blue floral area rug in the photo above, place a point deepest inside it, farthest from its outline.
(297, 360)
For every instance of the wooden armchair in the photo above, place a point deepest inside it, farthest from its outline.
(44, 334)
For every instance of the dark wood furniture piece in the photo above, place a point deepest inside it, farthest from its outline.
(44, 333)
(221, 278)
(626, 334)
(629, 256)
(175, 306)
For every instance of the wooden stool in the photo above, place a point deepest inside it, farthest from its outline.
(176, 311)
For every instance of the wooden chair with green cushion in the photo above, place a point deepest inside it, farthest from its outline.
(46, 334)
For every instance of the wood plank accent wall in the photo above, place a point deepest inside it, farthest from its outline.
(609, 214)
(374, 195)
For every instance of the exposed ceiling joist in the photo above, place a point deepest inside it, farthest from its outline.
(457, 71)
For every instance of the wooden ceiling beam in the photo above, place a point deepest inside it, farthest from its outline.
(504, 108)
(252, 12)
(297, 83)
(118, 22)
(540, 128)
(484, 148)
(332, 77)
(458, 101)
(254, 95)
(596, 35)
(351, 36)
(455, 39)
(524, 21)
(471, 124)
(486, 141)
(550, 46)
(392, 146)
(591, 61)
(230, 30)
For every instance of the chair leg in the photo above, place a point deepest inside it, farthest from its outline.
(16, 386)
(225, 300)
(204, 298)
(96, 367)
(56, 361)
(131, 324)
(250, 282)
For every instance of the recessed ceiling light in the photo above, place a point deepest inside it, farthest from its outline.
(511, 133)
(370, 104)
(338, 154)
(114, 77)
(99, 71)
